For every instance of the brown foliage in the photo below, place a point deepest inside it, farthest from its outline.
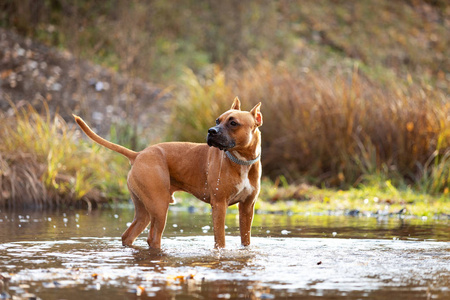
(21, 182)
(330, 131)
(341, 128)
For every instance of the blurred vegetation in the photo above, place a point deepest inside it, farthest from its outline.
(157, 39)
(354, 92)
(44, 163)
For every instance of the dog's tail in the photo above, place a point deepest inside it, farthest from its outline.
(130, 154)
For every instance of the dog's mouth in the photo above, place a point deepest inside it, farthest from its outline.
(221, 145)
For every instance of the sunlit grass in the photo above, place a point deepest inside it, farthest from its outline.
(377, 197)
(46, 163)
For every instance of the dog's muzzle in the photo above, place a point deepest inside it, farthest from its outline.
(217, 139)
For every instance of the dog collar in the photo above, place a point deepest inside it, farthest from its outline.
(240, 161)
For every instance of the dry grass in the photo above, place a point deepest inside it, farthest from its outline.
(333, 132)
(44, 164)
(198, 104)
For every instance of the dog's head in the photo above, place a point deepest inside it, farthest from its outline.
(235, 128)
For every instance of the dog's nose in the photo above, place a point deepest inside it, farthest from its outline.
(213, 131)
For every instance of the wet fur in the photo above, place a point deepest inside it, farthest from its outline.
(162, 169)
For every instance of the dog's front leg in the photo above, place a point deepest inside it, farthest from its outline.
(246, 211)
(219, 210)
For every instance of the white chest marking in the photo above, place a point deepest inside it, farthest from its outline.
(244, 188)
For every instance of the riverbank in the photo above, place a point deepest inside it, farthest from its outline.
(376, 200)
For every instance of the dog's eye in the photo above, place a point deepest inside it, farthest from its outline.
(233, 123)
(217, 122)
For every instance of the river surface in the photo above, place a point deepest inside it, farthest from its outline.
(78, 255)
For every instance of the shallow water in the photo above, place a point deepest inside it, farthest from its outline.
(56, 255)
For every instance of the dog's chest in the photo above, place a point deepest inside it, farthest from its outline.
(243, 188)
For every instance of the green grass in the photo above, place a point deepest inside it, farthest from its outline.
(377, 198)
(376, 195)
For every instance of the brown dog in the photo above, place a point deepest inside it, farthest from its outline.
(221, 178)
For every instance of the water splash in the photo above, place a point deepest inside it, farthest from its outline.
(206, 182)
(220, 171)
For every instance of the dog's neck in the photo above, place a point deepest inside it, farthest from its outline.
(252, 152)
(240, 161)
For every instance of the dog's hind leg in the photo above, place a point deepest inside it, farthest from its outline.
(140, 222)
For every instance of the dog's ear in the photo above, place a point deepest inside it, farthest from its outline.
(236, 104)
(257, 114)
